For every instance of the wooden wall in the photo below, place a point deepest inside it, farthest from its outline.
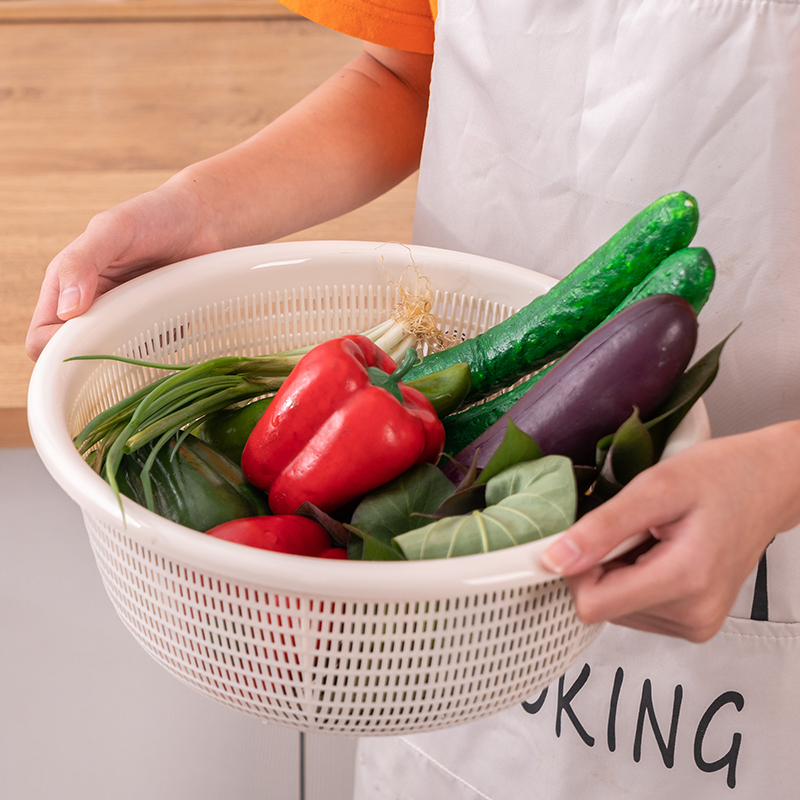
(100, 101)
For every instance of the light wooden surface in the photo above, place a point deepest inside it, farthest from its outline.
(93, 112)
(116, 10)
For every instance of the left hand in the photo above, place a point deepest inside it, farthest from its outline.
(712, 510)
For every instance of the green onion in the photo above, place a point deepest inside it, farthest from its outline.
(180, 401)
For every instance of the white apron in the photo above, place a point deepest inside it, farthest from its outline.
(552, 122)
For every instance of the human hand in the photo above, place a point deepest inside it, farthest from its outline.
(348, 142)
(711, 511)
(154, 229)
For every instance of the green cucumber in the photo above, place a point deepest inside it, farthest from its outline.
(689, 272)
(465, 426)
(553, 322)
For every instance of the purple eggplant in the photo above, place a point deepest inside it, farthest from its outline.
(633, 360)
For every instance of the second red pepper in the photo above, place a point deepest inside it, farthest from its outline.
(340, 425)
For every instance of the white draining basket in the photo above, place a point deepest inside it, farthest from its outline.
(327, 646)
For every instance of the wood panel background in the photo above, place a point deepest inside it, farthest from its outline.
(100, 101)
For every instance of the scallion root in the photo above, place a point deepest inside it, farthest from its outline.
(414, 316)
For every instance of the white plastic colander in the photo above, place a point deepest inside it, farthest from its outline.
(358, 648)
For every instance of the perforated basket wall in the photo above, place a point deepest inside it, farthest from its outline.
(337, 664)
(328, 646)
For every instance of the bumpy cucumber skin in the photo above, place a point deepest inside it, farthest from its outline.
(688, 272)
(634, 360)
(553, 322)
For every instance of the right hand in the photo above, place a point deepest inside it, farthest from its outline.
(149, 231)
(711, 509)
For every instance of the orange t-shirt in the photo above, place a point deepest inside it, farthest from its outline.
(402, 24)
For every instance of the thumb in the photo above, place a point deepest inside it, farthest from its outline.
(602, 535)
(77, 284)
(68, 289)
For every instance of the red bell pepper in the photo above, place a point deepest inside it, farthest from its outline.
(285, 533)
(340, 425)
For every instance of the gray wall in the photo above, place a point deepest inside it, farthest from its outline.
(85, 713)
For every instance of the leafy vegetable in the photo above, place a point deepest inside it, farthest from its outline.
(189, 482)
(630, 451)
(516, 446)
(526, 502)
(394, 508)
(372, 548)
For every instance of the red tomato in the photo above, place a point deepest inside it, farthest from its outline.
(281, 533)
(334, 552)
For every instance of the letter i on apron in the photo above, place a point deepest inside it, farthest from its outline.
(552, 122)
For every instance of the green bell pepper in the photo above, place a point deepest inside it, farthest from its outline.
(227, 430)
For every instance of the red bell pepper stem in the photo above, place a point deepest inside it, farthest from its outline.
(390, 380)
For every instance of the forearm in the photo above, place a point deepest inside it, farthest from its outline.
(351, 140)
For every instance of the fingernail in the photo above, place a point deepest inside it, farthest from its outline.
(68, 300)
(560, 555)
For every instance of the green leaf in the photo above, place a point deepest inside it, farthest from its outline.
(620, 457)
(469, 474)
(631, 451)
(693, 383)
(462, 501)
(392, 508)
(372, 548)
(525, 502)
(515, 448)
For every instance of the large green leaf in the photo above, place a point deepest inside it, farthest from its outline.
(394, 507)
(526, 502)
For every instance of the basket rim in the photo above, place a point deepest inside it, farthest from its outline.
(404, 581)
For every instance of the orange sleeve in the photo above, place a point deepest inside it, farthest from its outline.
(401, 24)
